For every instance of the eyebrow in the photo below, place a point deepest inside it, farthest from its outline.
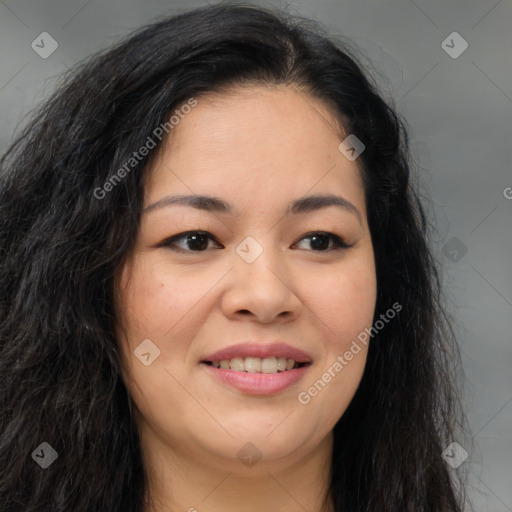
(217, 205)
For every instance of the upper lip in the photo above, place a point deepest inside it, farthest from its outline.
(259, 349)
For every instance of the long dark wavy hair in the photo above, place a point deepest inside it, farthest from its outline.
(61, 247)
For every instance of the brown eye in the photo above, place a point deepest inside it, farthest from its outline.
(190, 241)
(320, 241)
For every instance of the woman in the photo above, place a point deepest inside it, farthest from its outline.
(216, 286)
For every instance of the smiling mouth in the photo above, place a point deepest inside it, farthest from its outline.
(266, 365)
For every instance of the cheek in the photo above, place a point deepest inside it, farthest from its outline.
(346, 304)
(155, 306)
(344, 299)
(156, 300)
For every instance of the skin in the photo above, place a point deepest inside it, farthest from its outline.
(258, 148)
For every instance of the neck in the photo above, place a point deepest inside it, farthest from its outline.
(178, 481)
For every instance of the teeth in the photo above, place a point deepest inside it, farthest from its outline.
(256, 364)
(237, 363)
(252, 364)
(281, 364)
(269, 365)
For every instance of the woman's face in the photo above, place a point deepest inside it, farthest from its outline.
(259, 278)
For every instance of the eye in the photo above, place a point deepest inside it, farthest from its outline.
(319, 240)
(194, 241)
(197, 241)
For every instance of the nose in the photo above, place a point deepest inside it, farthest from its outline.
(262, 291)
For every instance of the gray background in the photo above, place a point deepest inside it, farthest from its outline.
(459, 112)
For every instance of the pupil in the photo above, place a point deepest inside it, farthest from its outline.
(199, 242)
(319, 242)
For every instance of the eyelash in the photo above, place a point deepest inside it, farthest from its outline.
(338, 242)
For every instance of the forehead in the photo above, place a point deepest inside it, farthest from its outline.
(253, 137)
(254, 115)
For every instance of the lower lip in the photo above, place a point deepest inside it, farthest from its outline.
(258, 383)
